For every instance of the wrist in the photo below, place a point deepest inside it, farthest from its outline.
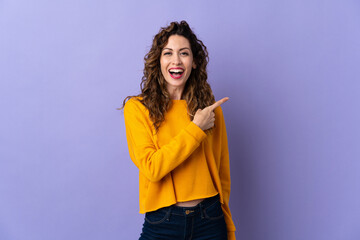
(197, 124)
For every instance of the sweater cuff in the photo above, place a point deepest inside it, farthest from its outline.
(231, 235)
(195, 131)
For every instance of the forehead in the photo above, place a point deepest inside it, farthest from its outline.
(177, 42)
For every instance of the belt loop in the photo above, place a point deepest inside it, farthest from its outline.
(201, 210)
(169, 213)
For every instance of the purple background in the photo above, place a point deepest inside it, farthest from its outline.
(290, 68)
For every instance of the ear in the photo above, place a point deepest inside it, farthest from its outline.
(194, 65)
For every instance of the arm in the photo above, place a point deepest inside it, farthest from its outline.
(224, 172)
(152, 162)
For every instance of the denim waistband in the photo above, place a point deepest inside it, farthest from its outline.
(191, 211)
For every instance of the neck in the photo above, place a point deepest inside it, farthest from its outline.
(175, 93)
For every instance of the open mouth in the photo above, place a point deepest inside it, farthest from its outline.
(176, 73)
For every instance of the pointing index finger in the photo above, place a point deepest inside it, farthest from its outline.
(218, 103)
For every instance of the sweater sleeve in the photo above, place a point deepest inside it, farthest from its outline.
(225, 178)
(152, 162)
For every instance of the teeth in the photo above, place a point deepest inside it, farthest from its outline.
(176, 71)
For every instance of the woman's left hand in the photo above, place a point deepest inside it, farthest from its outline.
(205, 118)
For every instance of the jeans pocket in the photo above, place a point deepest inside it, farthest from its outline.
(214, 211)
(158, 216)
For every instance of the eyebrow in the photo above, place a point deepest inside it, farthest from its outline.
(180, 48)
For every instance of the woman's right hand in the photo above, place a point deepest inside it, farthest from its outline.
(205, 118)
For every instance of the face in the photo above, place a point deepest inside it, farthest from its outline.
(176, 62)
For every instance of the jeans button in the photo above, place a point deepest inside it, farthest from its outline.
(188, 211)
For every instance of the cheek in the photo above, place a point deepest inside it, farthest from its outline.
(163, 65)
(190, 65)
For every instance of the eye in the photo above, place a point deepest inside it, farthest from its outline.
(167, 53)
(185, 53)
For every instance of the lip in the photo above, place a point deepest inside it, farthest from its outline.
(177, 76)
(176, 68)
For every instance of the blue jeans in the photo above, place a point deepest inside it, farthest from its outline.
(204, 221)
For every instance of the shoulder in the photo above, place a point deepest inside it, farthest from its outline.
(134, 104)
(219, 116)
(135, 113)
(218, 111)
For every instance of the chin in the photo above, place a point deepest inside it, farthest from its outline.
(176, 84)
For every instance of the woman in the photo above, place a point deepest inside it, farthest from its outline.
(177, 138)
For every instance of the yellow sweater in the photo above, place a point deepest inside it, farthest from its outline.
(181, 162)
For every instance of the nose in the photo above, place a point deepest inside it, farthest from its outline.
(176, 59)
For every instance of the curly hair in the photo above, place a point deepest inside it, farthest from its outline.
(154, 95)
